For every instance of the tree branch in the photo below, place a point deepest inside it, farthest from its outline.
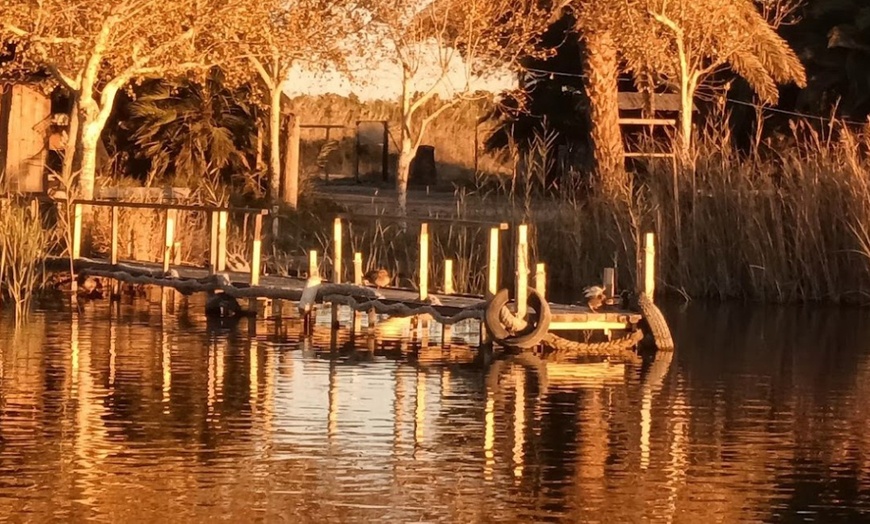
(428, 120)
(261, 70)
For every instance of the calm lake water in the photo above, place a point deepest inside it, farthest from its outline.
(762, 415)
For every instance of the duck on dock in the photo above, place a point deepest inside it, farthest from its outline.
(378, 278)
(595, 297)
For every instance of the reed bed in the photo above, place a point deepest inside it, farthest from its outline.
(22, 253)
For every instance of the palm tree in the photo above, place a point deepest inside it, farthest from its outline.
(192, 131)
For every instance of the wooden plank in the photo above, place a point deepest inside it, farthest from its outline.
(647, 121)
(639, 154)
(588, 325)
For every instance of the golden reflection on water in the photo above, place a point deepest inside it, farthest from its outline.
(141, 415)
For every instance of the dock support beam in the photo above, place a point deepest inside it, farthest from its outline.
(213, 244)
(313, 270)
(608, 279)
(492, 264)
(77, 232)
(169, 239)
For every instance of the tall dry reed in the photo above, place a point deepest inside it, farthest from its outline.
(22, 254)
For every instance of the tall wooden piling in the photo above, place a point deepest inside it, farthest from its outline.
(313, 270)
(116, 285)
(357, 280)
(448, 277)
(492, 263)
(169, 238)
(221, 262)
(541, 280)
(213, 243)
(649, 264)
(256, 257)
(522, 270)
(77, 232)
(336, 254)
(608, 279)
(424, 261)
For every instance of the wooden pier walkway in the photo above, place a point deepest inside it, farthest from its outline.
(446, 306)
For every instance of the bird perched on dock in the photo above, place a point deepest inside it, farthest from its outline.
(378, 278)
(595, 297)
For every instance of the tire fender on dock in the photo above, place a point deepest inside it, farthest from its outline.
(534, 330)
(655, 322)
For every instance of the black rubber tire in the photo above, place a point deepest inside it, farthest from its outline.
(655, 323)
(538, 324)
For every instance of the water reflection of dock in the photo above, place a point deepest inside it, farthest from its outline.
(139, 404)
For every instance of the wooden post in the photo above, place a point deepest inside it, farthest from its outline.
(424, 261)
(356, 152)
(223, 218)
(116, 285)
(257, 250)
(336, 255)
(492, 276)
(291, 163)
(212, 252)
(608, 279)
(448, 277)
(176, 253)
(357, 269)
(541, 279)
(77, 232)
(357, 280)
(522, 270)
(313, 271)
(649, 265)
(169, 239)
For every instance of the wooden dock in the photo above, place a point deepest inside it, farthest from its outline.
(445, 306)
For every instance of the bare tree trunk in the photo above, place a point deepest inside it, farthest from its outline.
(90, 138)
(601, 68)
(275, 143)
(72, 142)
(406, 150)
(687, 97)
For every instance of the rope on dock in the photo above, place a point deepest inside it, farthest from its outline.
(620, 348)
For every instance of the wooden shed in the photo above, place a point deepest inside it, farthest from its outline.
(25, 124)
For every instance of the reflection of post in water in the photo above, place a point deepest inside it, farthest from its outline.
(489, 435)
(519, 376)
(113, 344)
(652, 384)
(166, 358)
(90, 435)
(253, 375)
(398, 408)
(268, 391)
(420, 408)
(332, 413)
(592, 455)
(675, 470)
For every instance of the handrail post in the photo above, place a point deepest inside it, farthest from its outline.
(116, 284)
(492, 273)
(168, 239)
(221, 262)
(649, 265)
(448, 277)
(541, 280)
(336, 255)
